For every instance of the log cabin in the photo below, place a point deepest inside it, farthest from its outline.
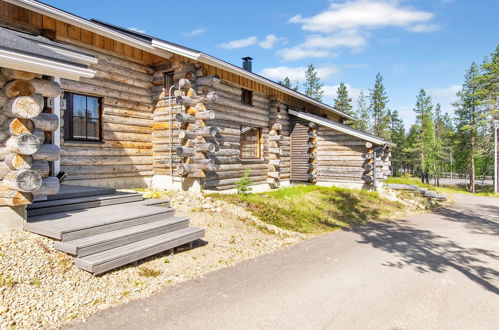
(105, 106)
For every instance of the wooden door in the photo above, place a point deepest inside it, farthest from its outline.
(299, 149)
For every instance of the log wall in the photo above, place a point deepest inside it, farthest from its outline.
(125, 88)
(341, 158)
(26, 127)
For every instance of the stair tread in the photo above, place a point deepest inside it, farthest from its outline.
(81, 219)
(71, 191)
(95, 239)
(76, 200)
(128, 249)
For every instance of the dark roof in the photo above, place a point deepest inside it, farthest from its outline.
(27, 44)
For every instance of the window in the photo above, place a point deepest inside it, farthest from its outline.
(246, 96)
(82, 118)
(168, 80)
(251, 145)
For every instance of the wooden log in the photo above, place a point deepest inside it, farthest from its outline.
(185, 152)
(50, 186)
(23, 180)
(368, 178)
(276, 151)
(24, 144)
(276, 127)
(226, 152)
(206, 131)
(205, 115)
(40, 135)
(42, 167)
(18, 87)
(312, 155)
(184, 84)
(188, 101)
(18, 126)
(15, 198)
(11, 74)
(368, 155)
(211, 80)
(275, 175)
(46, 88)
(369, 145)
(48, 152)
(4, 169)
(312, 166)
(185, 118)
(312, 125)
(275, 137)
(187, 134)
(312, 145)
(22, 107)
(312, 134)
(3, 80)
(3, 99)
(205, 147)
(275, 162)
(46, 122)
(185, 169)
(368, 167)
(17, 162)
(205, 164)
(311, 177)
(4, 134)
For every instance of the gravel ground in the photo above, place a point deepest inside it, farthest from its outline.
(41, 288)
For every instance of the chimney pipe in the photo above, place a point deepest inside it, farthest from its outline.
(247, 63)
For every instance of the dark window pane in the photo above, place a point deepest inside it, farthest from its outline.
(79, 129)
(79, 105)
(92, 107)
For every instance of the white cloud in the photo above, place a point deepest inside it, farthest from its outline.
(362, 14)
(296, 73)
(347, 38)
(423, 28)
(445, 96)
(136, 29)
(240, 43)
(269, 41)
(297, 53)
(195, 32)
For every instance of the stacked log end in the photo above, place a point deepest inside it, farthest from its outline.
(369, 165)
(275, 147)
(24, 157)
(196, 137)
(312, 152)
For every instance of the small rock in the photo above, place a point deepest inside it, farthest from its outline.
(3, 310)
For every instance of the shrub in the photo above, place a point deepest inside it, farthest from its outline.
(243, 185)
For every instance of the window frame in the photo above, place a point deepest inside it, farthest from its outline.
(243, 98)
(68, 118)
(168, 80)
(259, 141)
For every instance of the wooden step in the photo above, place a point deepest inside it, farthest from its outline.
(71, 191)
(82, 223)
(109, 240)
(81, 203)
(101, 262)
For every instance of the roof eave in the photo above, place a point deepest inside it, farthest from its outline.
(38, 65)
(352, 132)
(66, 17)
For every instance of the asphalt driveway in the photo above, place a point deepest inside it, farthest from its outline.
(430, 271)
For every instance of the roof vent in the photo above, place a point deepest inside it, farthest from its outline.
(247, 63)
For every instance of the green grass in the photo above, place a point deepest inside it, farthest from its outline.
(313, 209)
(445, 189)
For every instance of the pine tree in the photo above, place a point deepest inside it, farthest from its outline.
(313, 85)
(377, 108)
(427, 144)
(363, 122)
(286, 83)
(343, 102)
(397, 136)
(411, 148)
(471, 123)
(488, 81)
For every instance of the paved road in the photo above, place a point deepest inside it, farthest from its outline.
(438, 271)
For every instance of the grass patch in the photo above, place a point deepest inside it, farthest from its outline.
(313, 209)
(149, 272)
(445, 189)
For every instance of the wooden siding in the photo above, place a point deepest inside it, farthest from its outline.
(299, 149)
(340, 158)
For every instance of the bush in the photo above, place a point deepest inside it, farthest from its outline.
(243, 185)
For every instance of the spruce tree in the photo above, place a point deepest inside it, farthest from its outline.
(343, 102)
(363, 122)
(286, 83)
(427, 144)
(377, 107)
(488, 84)
(313, 85)
(471, 123)
(397, 136)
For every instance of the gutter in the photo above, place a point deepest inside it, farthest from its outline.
(39, 65)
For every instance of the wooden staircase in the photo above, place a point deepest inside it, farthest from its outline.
(106, 229)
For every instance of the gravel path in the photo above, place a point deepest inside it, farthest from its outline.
(41, 288)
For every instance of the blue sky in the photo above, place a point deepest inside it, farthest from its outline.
(414, 44)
